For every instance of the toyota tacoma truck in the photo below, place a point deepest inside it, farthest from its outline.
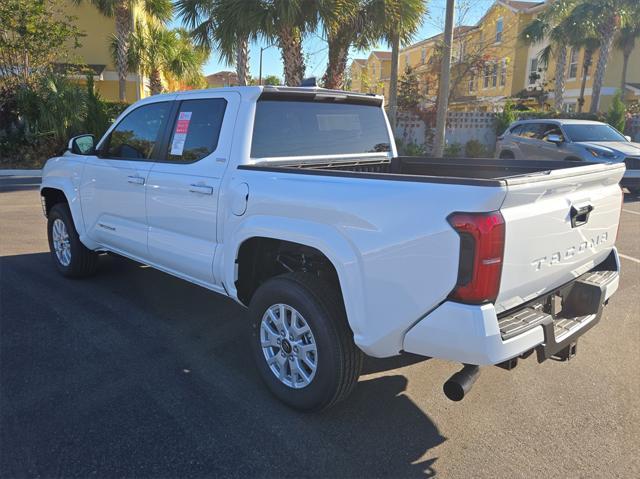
(294, 202)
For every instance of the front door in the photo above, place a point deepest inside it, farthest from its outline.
(112, 191)
(183, 189)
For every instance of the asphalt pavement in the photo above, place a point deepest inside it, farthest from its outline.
(133, 373)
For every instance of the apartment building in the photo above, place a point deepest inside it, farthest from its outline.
(95, 55)
(490, 64)
(371, 75)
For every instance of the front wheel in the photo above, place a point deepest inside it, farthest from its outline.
(71, 257)
(301, 342)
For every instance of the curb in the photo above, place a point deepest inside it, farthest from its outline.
(28, 173)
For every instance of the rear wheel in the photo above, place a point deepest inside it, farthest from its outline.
(301, 342)
(506, 155)
(71, 257)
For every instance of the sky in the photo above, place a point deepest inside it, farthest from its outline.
(468, 12)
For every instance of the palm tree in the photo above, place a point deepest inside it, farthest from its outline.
(209, 31)
(626, 42)
(122, 11)
(158, 52)
(228, 25)
(606, 17)
(362, 23)
(285, 22)
(550, 25)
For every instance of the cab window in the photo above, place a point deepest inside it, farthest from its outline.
(196, 129)
(136, 136)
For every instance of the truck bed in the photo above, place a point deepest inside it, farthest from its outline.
(480, 172)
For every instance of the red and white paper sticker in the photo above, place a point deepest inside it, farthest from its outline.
(180, 135)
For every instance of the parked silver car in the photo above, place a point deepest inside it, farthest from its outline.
(571, 140)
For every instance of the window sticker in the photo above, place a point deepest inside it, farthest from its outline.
(180, 135)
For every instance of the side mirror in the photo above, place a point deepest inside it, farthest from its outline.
(82, 145)
(628, 138)
(553, 138)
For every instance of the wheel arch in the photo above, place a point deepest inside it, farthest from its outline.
(60, 189)
(304, 236)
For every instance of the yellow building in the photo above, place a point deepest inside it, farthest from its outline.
(94, 52)
(490, 64)
(372, 75)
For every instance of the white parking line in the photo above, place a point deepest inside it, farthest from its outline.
(631, 211)
(630, 258)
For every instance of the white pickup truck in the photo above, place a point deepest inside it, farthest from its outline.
(293, 202)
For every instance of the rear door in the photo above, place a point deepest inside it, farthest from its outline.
(183, 189)
(559, 224)
(112, 192)
(529, 141)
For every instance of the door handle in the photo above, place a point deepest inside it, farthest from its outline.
(136, 180)
(202, 189)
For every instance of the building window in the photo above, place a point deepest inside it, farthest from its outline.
(423, 55)
(374, 70)
(494, 75)
(499, 27)
(573, 63)
(487, 76)
(472, 83)
(406, 61)
(533, 71)
(503, 73)
(570, 107)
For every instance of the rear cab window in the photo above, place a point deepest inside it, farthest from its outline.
(196, 129)
(288, 128)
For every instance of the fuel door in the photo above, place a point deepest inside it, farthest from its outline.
(239, 198)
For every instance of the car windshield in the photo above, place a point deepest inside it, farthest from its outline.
(592, 132)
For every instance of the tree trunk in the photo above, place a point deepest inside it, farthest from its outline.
(586, 64)
(605, 48)
(290, 44)
(155, 81)
(123, 31)
(561, 64)
(443, 87)
(626, 53)
(242, 61)
(393, 81)
(337, 62)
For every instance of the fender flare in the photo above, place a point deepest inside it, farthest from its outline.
(330, 242)
(66, 186)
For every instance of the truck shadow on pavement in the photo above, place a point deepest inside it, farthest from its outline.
(136, 373)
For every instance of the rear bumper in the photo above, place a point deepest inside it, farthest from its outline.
(475, 334)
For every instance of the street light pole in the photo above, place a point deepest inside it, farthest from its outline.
(260, 68)
(443, 91)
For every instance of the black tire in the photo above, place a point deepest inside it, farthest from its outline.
(339, 361)
(507, 155)
(83, 260)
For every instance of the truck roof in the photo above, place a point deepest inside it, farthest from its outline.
(272, 91)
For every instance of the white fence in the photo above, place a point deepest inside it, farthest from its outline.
(461, 127)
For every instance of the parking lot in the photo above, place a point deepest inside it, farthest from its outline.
(135, 373)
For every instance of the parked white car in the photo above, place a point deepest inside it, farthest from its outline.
(293, 202)
(572, 140)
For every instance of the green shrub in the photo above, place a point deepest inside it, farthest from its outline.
(475, 149)
(616, 116)
(503, 119)
(452, 150)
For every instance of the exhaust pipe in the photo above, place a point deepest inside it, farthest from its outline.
(461, 382)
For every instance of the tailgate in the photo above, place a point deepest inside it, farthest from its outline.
(559, 224)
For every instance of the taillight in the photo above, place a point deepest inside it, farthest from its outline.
(481, 255)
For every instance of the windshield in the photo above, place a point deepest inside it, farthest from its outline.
(306, 128)
(592, 133)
